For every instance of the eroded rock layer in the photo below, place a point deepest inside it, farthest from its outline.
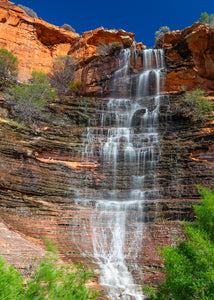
(41, 171)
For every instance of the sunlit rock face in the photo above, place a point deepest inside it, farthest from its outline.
(42, 171)
(190, 58)
(34, 41)
(37, 43)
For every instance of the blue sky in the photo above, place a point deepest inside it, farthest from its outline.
(138, 16)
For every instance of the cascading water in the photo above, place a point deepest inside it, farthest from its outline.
(128, 152)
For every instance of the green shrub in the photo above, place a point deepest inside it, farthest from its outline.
(8, 68)
(68, 27)
(26, 101)
(62, 74)
(54, 280)
(76, 86)
(11, 282)
(190, 266)
(51, 280)
(196, 106)
(159, 33)
(40, 78)
(207, 19)
(204, 17)
(28, 11)
(107, 49)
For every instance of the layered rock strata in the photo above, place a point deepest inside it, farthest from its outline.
(42, 170)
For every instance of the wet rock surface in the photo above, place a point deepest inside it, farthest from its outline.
(41, 171)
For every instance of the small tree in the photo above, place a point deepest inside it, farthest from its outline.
(8, 68)
(207, 19)
(190, 266)
(27, 101)
(204, 17)
(62, 74)
(197, 106)
(159, 33)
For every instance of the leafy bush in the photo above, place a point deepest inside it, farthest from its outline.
(39, 78)
(62, 74)
(8, 68)
(204, 17)
(26, 101)
(68, 27)
(196, 106)
(76, 86)
(190, 267)
(55, 280)
(107, 49)
(11, 282)
(51, 280)
(207, 19)
(28, 11)
(159, 33)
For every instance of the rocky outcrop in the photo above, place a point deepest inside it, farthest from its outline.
(37, 43)
(190, 58)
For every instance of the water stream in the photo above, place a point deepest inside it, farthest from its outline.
(128, 146)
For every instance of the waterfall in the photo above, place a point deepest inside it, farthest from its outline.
(128, 146)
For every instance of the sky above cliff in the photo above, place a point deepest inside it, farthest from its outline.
(138, 16)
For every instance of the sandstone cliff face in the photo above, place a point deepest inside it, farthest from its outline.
(40, 169)
(34, 41)
(37, 43)
(189, 62)
(190, 58)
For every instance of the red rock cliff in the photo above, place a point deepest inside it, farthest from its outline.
(190, 57)
(36, 43)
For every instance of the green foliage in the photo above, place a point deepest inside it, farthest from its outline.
(51, 280)
(107, 49)
(62, 74)
(196, 106)
(159, 33)
(27, 101)
(8, 68)
(11, 282)
(190, 267)
(14, 123)
(28, 11)
(39, 78)
(205, 212)
(204, 17)
(207, 19)
(68, 27)
(76, 86)
(54, 280)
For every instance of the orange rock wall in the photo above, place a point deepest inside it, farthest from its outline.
(36, 43)
(190, 58)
